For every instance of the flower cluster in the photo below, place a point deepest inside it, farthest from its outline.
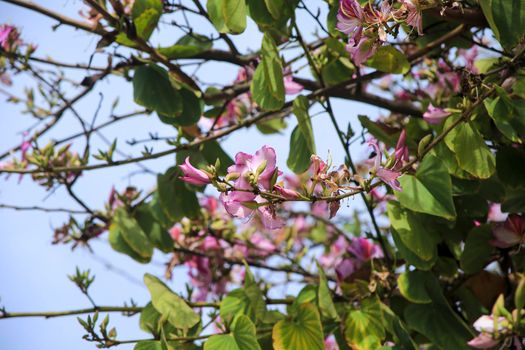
(367, 27)
(350, 258)
(497, 331)
(217, 240)
(252, 189)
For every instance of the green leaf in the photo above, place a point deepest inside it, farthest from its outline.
(506, 19)
(157, 234)
(192, 107)
(303, 330)
(412, 231)
(146, 15)
(379, 130)
(410, 257)
(267, 86)
(169, 304)
(132, 234)
(148, 345)
(500, 112)
(271, 126)
(247, 301)
(254, 294)
(152, 89)
(437, 321)
(275, 7)
(429, 191)
(214, 8)
(364, 328)
(477, 249)
(234, 15)
(510, 166)
(117, 242)
(389, 60)
(176, 200)
(514, 201)
(324, 298)
(151, 321)
(241, 337)
(300, 153)
(412, 286)
(472, 153)
(300, 110)
(187, 46)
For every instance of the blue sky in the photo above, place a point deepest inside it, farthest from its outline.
(33, 272)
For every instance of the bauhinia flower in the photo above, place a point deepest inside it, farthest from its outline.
(388, 176)
(193, 175)
(253, 173)
(361, 251)
(414, 17)
(9, 38)
(435, 115)
(364, 250)
(290, 86)
(350, 18)
(362, 49)
(510, 233)
(490, 332)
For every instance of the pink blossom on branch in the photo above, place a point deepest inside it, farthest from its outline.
(9, 38)
(414, 16)
(362, 49)
(350, 18)
(388, 176)
(435, 115)
(193, 175)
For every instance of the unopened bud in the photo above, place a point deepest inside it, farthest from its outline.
(232, 176)
(423, 144)
(261, 167)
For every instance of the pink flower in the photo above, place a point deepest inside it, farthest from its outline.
(510, 233)
(435, 115)
(262, 245)
(337, 250)
(470, 56)
(414, 17)
(176, 233)
(483, 341)
(495, 214)
(330, 343)
(9, 38)
(193, 175)
(247, 205)
(259, 168)
(286, 193)
(345, 269)
(388, 176)
(290, 86)
(401, 151)
(361, 49)
(364, 250)
(350, 18)
(487, 326)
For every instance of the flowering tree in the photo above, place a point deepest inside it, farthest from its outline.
(431, 258)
